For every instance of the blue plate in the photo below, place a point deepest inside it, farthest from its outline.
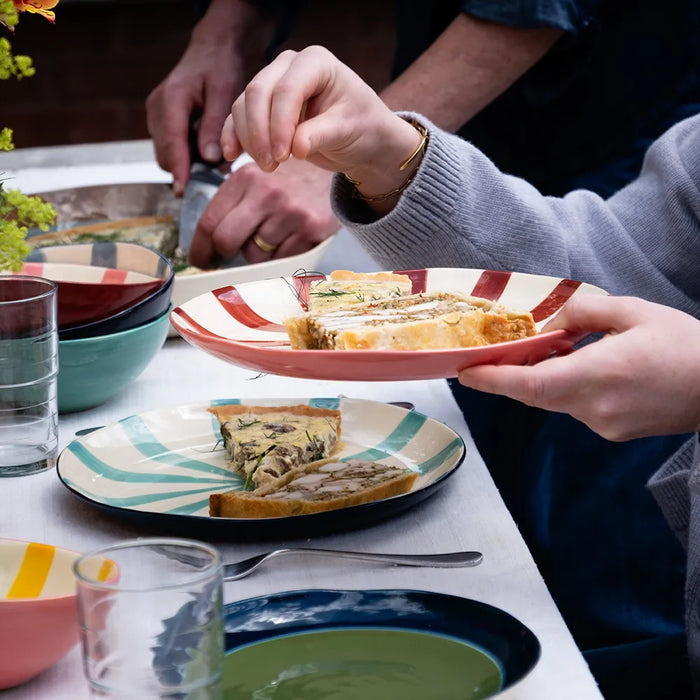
(502, 640)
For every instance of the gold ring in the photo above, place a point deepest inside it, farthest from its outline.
(263, 245)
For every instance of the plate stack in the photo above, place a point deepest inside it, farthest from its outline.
(113, 315)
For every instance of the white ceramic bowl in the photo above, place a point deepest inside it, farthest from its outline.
(84, 205)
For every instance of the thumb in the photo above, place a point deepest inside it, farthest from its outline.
(318, 136)
(594, 314)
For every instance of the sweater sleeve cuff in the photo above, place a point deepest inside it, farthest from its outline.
(672, 484)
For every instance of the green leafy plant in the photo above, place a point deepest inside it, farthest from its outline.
(18, 212)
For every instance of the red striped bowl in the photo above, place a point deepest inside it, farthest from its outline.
(103, 287)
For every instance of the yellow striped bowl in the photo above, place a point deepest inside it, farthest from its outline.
(38, 615)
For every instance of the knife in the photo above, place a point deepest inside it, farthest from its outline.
(205, 179)
(200, 188)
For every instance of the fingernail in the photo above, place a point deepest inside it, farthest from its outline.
(229, 153)
(279, 152)
(211, 152)
(265, 161)
(178, 188)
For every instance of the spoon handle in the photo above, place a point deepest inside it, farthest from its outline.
(444, 560)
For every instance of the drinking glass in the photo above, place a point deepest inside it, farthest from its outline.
(150, 612)
(28, 374)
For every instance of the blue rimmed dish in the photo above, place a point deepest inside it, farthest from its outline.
(347, 644)
(159, 467)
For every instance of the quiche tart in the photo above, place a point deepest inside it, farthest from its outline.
(313, 488)
(157, 232)
(266, 442)
(426, 321)
(346, 288)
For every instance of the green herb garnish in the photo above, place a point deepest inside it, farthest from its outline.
(329, 293)
(317, 445)
(246, 424)
(249, 479)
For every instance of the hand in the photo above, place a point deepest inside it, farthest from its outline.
(205, 81)
(312, 106)
(288, 209)
(641, 379)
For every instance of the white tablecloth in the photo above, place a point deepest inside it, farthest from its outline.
(467, 513)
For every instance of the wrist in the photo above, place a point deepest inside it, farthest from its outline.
(387, 174)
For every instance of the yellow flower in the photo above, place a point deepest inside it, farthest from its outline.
(41, 7)
(10, 9)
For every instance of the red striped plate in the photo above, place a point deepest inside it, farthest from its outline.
(243, 325)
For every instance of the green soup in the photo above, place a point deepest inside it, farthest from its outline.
(360, 664)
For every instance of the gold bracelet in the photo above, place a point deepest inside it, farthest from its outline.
(421, 146)
(419, 150)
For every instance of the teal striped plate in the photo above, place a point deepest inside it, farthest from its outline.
(159, 467)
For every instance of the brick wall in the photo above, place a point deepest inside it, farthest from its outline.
(98, 62)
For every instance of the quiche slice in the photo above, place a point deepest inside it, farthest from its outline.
(156, 232)
(426, 321)
(313, 488)
(345, 287)
(265, 442)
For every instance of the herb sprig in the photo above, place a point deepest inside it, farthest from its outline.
(246, 424)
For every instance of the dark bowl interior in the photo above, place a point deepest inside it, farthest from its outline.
(107, 254)
(85, 298)
(142, 312)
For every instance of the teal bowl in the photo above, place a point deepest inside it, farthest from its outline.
(93, 370)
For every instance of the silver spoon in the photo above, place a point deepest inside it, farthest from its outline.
(239, 569)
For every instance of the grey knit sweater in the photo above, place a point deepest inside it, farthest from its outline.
(461, 211)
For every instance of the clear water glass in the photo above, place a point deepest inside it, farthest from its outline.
(28, 375)
(150, 612)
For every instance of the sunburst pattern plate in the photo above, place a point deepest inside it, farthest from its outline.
(159, 467)
(243, 325)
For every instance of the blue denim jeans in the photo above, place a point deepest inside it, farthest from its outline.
(612, 564)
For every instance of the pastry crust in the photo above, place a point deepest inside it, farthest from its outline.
(415, 322)
(314, 488)
(227, 411)
(265, 442)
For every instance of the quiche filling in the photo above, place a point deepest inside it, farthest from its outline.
(333, 480)
(412, 322)
(265, 443)
(330, 294)
(315, 488)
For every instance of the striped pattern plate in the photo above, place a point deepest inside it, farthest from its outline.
(34, 570)
(243, 324)
(87, 274)
(118, 255)
(163, 464)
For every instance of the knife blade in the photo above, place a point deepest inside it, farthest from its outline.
(200, 188)
(203, 184)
